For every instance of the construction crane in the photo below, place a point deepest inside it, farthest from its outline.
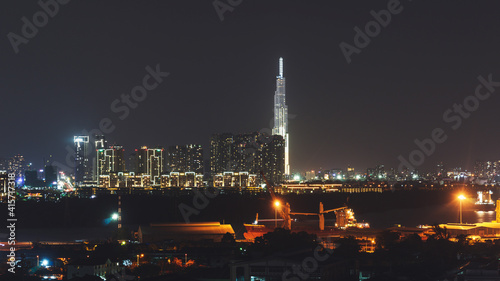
(342, 214)
(321, 214)
(285, 211)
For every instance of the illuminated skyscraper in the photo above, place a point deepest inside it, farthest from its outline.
(248, 153)
(150, 161)
(100, 142)
(221, 146)
(281, 115)
(83, 166)
(110, 160)
(185, 158)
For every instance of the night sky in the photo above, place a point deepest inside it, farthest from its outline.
(222, 77)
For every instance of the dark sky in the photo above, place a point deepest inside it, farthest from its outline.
(222, 76)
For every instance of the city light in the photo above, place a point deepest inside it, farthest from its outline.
(114, 216)
(461, 197)
(277, 205)
(45, 263)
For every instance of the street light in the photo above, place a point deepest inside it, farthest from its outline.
(461, 197)
(114, 216)
(139, 256)
(276, 205)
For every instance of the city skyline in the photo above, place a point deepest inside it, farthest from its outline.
(363, 113)
(168, 140)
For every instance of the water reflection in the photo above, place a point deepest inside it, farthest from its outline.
(424, 215)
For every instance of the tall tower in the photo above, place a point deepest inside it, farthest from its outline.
(83, 166)
(281, 115)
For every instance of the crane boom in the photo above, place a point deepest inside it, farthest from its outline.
(284, 212)
(333, 210)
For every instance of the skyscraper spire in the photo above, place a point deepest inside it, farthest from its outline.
(281, 114)
(281, 67)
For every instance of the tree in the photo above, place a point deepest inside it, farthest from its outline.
(282, 240)
(387, 239)
(348, 247)
(440, 232)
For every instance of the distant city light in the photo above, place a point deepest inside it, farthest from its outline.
(45, 263)
(114, 216)
(296, 177)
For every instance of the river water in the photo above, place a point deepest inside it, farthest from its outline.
(425, 215)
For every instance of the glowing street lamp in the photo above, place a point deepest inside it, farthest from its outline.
(461, 197)
(276, 205)
(138, 258)
(114, 216)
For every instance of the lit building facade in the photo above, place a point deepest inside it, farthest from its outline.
(4, 185)
(271, 159)
(221, 146)
(231, 179)
(16, 165)
(281, 115)
(185, 158)
(83, 166)
(250, 153)
(151, 161)
(180, 179)
(124, 180)
(110, 160)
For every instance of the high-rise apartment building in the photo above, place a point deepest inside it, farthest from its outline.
(185, 158)
(272, 159)
(221, 146)
(110, 160)
(83, 165)
(250, 153)
(150, 161)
